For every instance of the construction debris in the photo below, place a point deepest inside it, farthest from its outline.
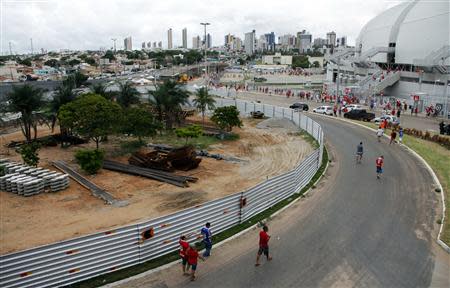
(201, 153)
(167, 177)
(184, 158)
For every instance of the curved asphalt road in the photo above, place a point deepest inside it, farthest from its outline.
(354, 231)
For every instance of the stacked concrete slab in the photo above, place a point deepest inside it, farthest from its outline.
(26, 181)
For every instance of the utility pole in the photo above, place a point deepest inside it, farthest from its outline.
(10, 49)
(206, 59)
(31, 42)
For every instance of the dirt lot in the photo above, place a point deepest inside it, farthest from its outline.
(45, 218)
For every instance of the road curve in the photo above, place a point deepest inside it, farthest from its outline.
(353, 231)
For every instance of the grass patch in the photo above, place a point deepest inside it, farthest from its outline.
(438, 157)
(308, 138)
(137, 269)
(171, 139)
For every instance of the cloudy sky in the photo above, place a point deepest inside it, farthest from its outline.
(90, 24)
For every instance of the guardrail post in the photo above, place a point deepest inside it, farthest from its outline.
(241, 200)
(138, 238)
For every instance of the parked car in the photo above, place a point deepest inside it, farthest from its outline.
(350, 107)
(328, 110)
(359, 114)
(300, 106)
(389, 118)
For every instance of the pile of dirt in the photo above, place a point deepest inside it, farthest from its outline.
(282, 123)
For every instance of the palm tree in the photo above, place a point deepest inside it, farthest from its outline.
(127, 95)
(167, 99)
(63, 95)
(204, 100)
(27, 101)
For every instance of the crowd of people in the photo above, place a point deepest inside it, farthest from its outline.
(189, 253)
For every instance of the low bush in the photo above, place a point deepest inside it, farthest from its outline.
(441, 140)
(29, 153)
(90, 160)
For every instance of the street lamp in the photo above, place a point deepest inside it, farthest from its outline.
(206, 59)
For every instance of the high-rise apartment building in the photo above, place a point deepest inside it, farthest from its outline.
(149, 45)
(184, 36)
(286, 42)
(319, 42)
(160, 44)
(269, 40)
(154, 45)
(342, 41)
(208, 41)
(169, 39)
(250, 42)
(143, 45)
(304, 40)
(228, 40)
(236, 45)
(196, 42)
(331, 39)
(127, 45)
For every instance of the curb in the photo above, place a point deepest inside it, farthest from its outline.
(427, 166)
(168, 265)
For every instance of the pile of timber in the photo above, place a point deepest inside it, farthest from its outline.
(184, 158)
(167, 177)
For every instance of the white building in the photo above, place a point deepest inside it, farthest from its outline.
(250, 43)
(184, 36)
(127, 44)
(196, 42)
(169, 39)
(411, 40)
(304, 40)
(277, 59)
(331, 39)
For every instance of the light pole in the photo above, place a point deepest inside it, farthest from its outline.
(206, 59)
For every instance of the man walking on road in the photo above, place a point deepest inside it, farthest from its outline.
(263, 245)
(192, 258)
(380, 132)
(206, 233)
(379, 163)
(184, 247)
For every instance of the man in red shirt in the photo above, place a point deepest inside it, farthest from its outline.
(379, 163)
(263, 245)
(184, 246)
(192, 259)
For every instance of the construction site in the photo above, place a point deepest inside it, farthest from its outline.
(153, 181)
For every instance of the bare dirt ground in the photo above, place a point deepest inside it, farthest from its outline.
(74, 212)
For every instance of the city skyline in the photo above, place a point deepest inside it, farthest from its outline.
(83, 25)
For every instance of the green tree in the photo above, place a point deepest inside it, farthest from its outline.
(100, 89)
(226, 117)
(300, 61)
(167, 100)
(90, 61)
(109, 55)
(26, 62)
(79, 78)
(74, 62)
(316, 64)
(90, 160)
(30, 154)
(63, 95)
(139, 122)
(127, 94)
(192, 131)
(27, 101)
(91, 116)
(204, 100)
(51, 63)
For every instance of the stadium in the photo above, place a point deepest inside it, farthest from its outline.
(402, 53)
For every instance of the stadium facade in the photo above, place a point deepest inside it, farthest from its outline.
(404, 52)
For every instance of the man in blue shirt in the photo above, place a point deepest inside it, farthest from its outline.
(206, 233)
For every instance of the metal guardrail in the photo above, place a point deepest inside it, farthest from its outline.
(77, 259)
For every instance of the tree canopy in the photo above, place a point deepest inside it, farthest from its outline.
(139, 122)
(192, 131)
(127, 95)
(226, 118)
(91, 116)
(26, 100)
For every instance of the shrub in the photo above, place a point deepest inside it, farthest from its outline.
(29, 153)
(90, 160)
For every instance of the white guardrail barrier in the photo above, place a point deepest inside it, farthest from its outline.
(74, 260)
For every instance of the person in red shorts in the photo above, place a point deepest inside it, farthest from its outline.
(263, 245)
(184, 246)
(192, 259)
(379, 163)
